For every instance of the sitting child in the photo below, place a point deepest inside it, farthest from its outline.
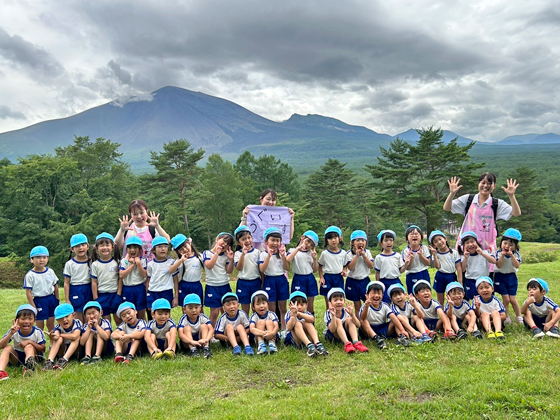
(29, 342)
(301, 329)
(263, 324)
(342, 322)
(161, 332)
(68, 332)
(129, 336)
(233, 325)
(405, 311)
(96, 334)
(460, 313)
(488, 308)
(434, 316)
(540, 313)
(195, 328)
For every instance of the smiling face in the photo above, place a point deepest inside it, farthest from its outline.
(273, 243)
(508, 245)
(160, 251)
(440, 243)
(246, 240)
(307, 244)
(139, 216)
(470, 245)
(485, 187)
(129, 316)
(456, 296)
(231, 307)
(161, 316)
(26, 323)
(260, 305)
(268, 200)
(337, 302)
(104, 249)
(39, 263)
(66, 322)
(424, 296)
(414, 238)
(387, 243)
(359, 244)
(375, 295)
(133, 251)
(81, 251)
(398, 297)
(485, 290)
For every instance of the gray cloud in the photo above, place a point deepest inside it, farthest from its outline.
(6, 112)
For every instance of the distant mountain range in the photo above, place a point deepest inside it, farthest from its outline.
(217, 125)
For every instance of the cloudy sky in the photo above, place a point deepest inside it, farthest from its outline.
(484, 69)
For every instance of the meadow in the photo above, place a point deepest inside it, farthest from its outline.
(516, 378)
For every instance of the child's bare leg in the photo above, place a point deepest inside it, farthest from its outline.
(496, 320)
(99, 347)
(246, 307)
(171, 340)
(142, 314)
(471, 325)
(80, 316)
(506, 300)
(419, 324)
(56, 343)
(151, 341)
(283, 309)
(269, 326)
(441, 299)
(41, 325)
(50, 324)
(406, 324)
(29, 351)
(214, 312)
(367, 329)
(357, 307)
(242, 333)
(134, 347)
(118, 346)
(337, 329)
(311, 332)
(310, 300)
(88, 346)
(485, 319)
(454, 324)
(229, 332)
(445, 323)
(118, 321)
(206, 332)
(8, 355)
(299, 332)
(72, 349)
(352, 330)
(515, 305)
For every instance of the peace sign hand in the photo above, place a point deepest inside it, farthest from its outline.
(15, 326)
(511, 187)
(454, 185)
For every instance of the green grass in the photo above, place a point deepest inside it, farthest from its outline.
(518, 378)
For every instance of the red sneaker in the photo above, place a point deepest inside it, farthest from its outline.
(349, 348)
(3, 375)
(450, 335)
(119, 358)
(360, 347)
(431, 333)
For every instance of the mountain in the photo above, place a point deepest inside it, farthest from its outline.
(412, 135)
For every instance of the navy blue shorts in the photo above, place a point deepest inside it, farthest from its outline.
(505, 283)
(21, 358)
(213, 295)
(412, 278)
(188, 287)
(289, 341)
(539, 322)
(441, 280)
(277, 288)
(109, 302)
(331, 281)
(330, 336)
(79, 295)
(356, 289)
(246, 288)
(135, 294)
(470, 288)
(306, 283)
(160, 344)
(45, 306)
(379, 329)
(431, 323)
(164, 294)
(387, 283)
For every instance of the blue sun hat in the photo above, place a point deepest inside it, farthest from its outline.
(395, 286)
(469, 234)
(192, 299)
(410, 228)
(296, 294)
(484, 279)
(229, 294)
(78, 239)
(419, 282)
(358, 234)
(124, 306)
(104, 235)
(312, 235)
(259, 293)
(178, 240)
(63, 310)
(388, 231)
(39, 251)
(26, 307)
(512, 233)
(376, 284)
(434, 234)
(92, 304)
(242, 228)
(333, 229)
(543, 283)
(159, 240)
(270, 231)
(224, 233)
(454, 285)
(133, 240)
(160, 304)
(335, 290)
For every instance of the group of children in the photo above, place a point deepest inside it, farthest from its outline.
(105, 285)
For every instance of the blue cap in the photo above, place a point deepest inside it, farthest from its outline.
(257, 293)
(335, 290)
(105, 235)
(375, 283)
(454, 285)
(192, 299)
(241, 228)
(512, 234)
(78, 239)
(229, 294)
(469, 234)
(434, 234)
(92, 304)
(178, 240)
(543, 283)
(224, 233)
(296, 294)
(484, 279)
(26, 307)
(270, 231)
(411, 227)
(124, 306)
(395, 286)
(312, 235)
(388, 231)
(39, 251)
(420, 282)
(63, 310)
(160, 304)
(159, 240)
(133, 240)
(358, 234)
(333, 229)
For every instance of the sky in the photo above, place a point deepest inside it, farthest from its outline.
(483, 69)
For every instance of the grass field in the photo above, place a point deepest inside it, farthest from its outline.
(517, 378)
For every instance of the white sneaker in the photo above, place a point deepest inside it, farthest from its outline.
(214, 340)
(283, 334)
(507, 320)
(520, 319)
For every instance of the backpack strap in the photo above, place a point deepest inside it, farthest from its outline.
(469, 202)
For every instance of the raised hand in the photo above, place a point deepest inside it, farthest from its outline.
(432, 249)
(15, 326)
(229, 253)
(154, 219)
(411, 299)
(511, 187)
(125, 223)
(454, 185)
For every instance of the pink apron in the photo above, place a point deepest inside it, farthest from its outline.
(146, 242)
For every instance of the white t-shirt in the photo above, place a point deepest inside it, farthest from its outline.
(388, 266)
(544, 308)
(477, 266)
(460, 311)
(160, 277)
(408, 311)
(250, 264)
(269, 316)
(332, 263)
(195, 327)
(329, 317)
(458, 206)
(134, 278)
(417, 265)
(507, 267)
(241, 318)
(275, 264)
(191, 270)
(103, 323)
(302, 264)
(76, 325)
(361, 270)
(77, 272)
(41, 283)
(160, 331)
(36, 336)
(129, 329)
(217, 276)
(447, 260)
(298, 319)
(107, 275)
(492, 305)
(430, 311)
(377, 316)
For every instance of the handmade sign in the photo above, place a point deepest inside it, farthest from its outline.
(260, 218)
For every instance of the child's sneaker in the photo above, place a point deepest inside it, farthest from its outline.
(426, 338)
(206, 352)
(490, 334)
(61, 364)
(156, 355)
(537, 333)
(507, 320)
(520, 319)
(499, 334)
(432, 334)
(194, 352)
(311, 350)
(249, 351)
(4, 375)
(129, 358)
(349, 348)
(381, 344)
(358, 345)
(461, 334)
(554, 332)
(237, 351)
(261, 349)
(272, 347)
(450, 335)
(403, 341)
(119, 358)
(477, 334)
(321, 350)
(49, 365)
(417, 340)
(95, 359)
(30, 364)
(170, 354)
(85, 361)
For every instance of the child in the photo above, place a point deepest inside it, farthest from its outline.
(488, 308)
(67, 331)
(161, 332)
(304, 263)
(132, 273)
(447, 262)
(540, 313)
(29, 342)
(161, 280)
(505, 278)
(331, 262)
(195, 328)
(377, 320)
(263, 324)
(77, 281)
(233, 325)
(301, 326)
(342, 322)
(96, 334)
(218, 265)
(246, 260)
(388, 265)
(359, 262)
(460, 313)
(434, 316)
(189, 265)
(416, 257)
(105, 283)
(273, 264)
(474, 263)
(41, 287)
(405, 311)
(129, 335)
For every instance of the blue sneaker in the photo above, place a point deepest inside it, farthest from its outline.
(426, 338)
(273, 349)
(237, 351)
(249, 351)
(262, 348)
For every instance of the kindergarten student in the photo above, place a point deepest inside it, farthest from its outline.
(29, 342)
(475, 262)
(434, 316)
(263, 324)
(460, 312)
(540, 313)
(304, 263)
(447, 261)
(133, 272)
(246, 260)
(341, 322)
(388, 265)
(161, 332)
(331, 262)
(129, 335)
(77, 281)
(416, 256)
(488, 308)
(359, 262)
(233, 324)
(505, 278)
(105, 283)
(161, 279)
(41, 287)
(195, 328)
(405, 311)
(301, 326)
(190, 267)
(67, 332)
(96, 334)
